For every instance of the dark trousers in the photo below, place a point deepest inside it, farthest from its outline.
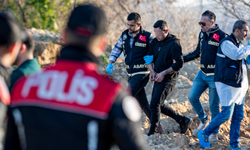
(137, 84)
(160, 92)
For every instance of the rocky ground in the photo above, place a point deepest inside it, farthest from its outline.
(178, 100)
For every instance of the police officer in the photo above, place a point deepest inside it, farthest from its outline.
(231, 84)
(71, 105)
(163, 49)
(206, 49)
(134, 42)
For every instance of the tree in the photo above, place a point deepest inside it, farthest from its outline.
(239, 9)
(42, 14)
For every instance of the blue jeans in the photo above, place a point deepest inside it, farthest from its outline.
(200, 84)
(236, 112)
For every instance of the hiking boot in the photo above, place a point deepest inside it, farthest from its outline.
(235, 147)
(199, 128)
(203, 139)
(184, 125)
(213, 137)
(159, 129)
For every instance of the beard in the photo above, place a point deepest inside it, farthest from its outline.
(131, 32)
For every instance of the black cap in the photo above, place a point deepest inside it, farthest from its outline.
(10, 30)
(87, 21)
(161, 24)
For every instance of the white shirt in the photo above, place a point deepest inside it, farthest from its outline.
(229, 94)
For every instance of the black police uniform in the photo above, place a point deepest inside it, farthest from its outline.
(135, 65)
(47, 122)
(206, 49)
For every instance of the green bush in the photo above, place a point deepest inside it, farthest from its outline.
(41, 14)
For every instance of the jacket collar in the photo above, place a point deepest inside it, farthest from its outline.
(77, 53)
(214, 29)
(235, 39)
(32, 61)
(169, 37)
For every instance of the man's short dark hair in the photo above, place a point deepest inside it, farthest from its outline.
(239, 24)
(210, 15)
(134, 16)
(10, 30)
(29, 42)
(161, 24)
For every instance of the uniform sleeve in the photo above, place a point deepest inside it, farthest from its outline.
(15, 76)
(233, 52)
(195, 54)
(176, 53)
(124, 118)
(116, 51)
(12, 141)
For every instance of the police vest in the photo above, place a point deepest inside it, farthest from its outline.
(209, 45)
(79, 89)
(134, 56)
(228, 71)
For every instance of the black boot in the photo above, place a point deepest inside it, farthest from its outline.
(184, 124)
(153, 129)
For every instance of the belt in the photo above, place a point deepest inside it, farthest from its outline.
(208, 74)
(141, 72)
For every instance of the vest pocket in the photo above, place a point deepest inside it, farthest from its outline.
(231, 73)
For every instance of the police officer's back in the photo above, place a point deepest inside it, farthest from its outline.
(71, 105)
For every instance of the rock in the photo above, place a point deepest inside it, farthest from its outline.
(169, 125)
(46, 53)
(46, 36)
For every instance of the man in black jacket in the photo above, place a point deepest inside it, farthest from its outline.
(164, 49)
(71, 105)
(206, 49)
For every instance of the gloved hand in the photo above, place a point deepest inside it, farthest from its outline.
(148, 59)
(109, 68)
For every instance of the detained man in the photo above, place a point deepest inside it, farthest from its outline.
(163, 49)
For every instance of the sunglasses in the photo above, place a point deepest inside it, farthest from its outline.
(202, 23)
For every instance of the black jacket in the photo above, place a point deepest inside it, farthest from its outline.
(228, 71)
(206, 49)
(164, 52)
(134, 56)
(63, 123)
